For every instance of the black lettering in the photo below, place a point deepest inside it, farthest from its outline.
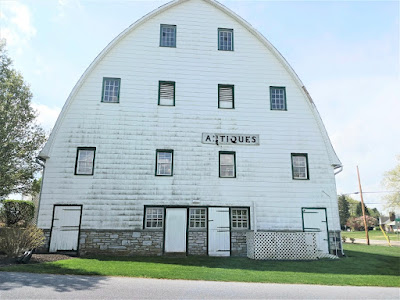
(241, 139)
(253, 138)
(222, 138)
(208, 138)
(233, 139)
(247, 139)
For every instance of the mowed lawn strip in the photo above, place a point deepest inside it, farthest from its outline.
(373, 235)
(363, 266)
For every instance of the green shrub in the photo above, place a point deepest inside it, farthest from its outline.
(352, 240)
(17, 212)
(344, 238)
(14, 241)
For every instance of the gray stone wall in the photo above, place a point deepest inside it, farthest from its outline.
(197, 243)
(335, 243)
(45, 247)
(118, 242)
(238, 243)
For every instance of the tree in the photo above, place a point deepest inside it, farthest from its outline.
(344, 212)
(391, 181)
(20, 136)
(359, 210)
(357, 223)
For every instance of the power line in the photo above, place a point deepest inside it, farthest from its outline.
(376, 192)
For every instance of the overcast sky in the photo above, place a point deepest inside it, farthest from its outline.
(346, 54)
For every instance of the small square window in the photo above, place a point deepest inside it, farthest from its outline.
(154, 217)
(164, 164)
(300, 166)
(226, 96)
(240, 218)
(278, 98)
(225, 39)
(167, 35)
(197, 218)
(166, 93)
(111, 88)
(84, 164)
(227, 164)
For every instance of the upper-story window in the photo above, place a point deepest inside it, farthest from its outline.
(227, 164)
(226, 96)
(84, 164)
(225, 39)
(278, 98)
(167, 35)
(166, 93)
(111, 87)
(300, 166)
(164, 163)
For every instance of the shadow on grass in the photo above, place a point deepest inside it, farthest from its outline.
(67, 283)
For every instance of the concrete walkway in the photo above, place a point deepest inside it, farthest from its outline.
(375, 242)
(45, 286)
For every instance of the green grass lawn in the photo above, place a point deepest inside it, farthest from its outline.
(363, 266)
(373, 235)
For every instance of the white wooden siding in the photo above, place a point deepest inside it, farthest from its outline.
(126, 135)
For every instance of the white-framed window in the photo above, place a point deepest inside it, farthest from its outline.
(225, 39)
(84, 164)
(166, 93)
(154, 217)
(278, 97)
(197, 218)
(227, 164)
(226, 96)
(111, 88)
(300, 166)
(167, 35)
(164, 162)
(240, 218)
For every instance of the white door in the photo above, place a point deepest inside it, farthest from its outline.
(65, 230)
(314, 220)
(219, 241)
(175, 230)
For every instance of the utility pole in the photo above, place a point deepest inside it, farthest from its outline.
(363, 208)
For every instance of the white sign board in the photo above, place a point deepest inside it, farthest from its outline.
(230, 139)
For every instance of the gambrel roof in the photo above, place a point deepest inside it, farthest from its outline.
(334, 160)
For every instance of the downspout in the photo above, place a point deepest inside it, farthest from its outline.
(40, 161)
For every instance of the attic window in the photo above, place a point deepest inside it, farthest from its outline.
(111, 87)
(226, 96)
(300, 166)
(225, 39)
(278, 98)
(166, 93)
(167, 35)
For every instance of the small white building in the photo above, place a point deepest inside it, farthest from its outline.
(186, 134)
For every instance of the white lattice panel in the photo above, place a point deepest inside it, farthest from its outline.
(282, 245)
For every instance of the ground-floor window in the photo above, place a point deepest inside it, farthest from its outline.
(197, 218)
(240, 218)
(154, 217)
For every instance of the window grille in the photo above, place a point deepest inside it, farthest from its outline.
(85, 161)
(164, 163)
(227, 166)
(154, 217)
(168, 36)
(278, 98)
(197, 218)
(225, 39)
(111, 87)
(240, 218)
(300, 166)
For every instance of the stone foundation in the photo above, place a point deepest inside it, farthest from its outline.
(238, 243)
(45, 247)
(197, 243)
(121, 242)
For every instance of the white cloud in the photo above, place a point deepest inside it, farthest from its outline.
(16, 25)
(47, 115)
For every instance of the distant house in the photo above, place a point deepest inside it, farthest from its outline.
(186, 133)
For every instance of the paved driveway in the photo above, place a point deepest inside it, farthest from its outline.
(43, 286)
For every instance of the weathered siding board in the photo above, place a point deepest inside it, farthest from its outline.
(126, 135)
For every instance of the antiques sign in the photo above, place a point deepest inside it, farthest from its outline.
(230, 139)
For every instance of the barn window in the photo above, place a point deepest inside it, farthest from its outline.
(84, 164)
(227, 164)
(166, 93)
(164, 164)
(167, 35)
(111, 87)
(278, 98)
(226, 96)
(197, 218)
(300, 166)
(154, 217)
(225, 39)
(240, 218)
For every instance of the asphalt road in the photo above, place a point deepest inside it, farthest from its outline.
(44, 286)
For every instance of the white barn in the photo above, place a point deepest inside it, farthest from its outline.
(188, 133)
